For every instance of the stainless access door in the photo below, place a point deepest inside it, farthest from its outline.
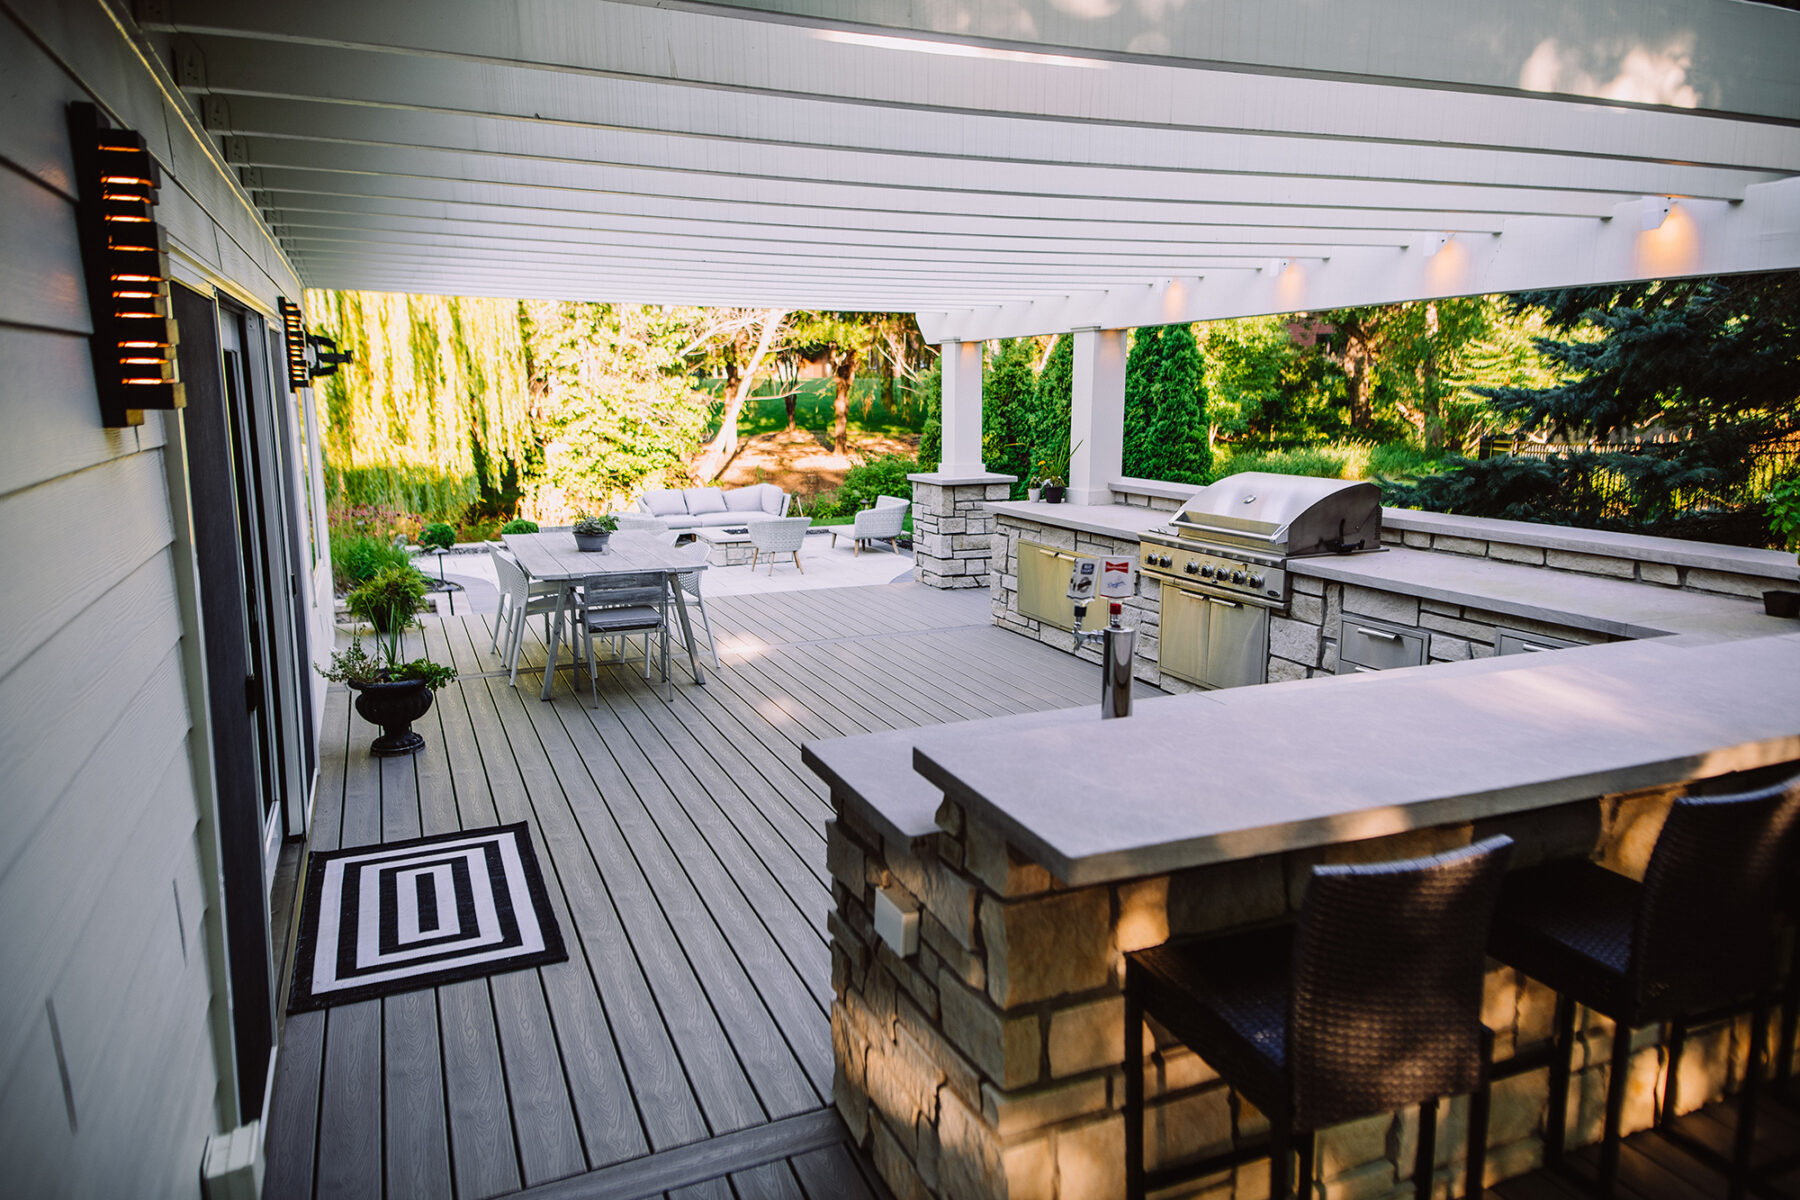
(1181, 647)
(1044, 588)
(1237, 644)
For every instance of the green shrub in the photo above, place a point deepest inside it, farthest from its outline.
(519, 525)
(1324, 462)
(884, 476)
(1784, 510)
(359, 557)
(436, 536)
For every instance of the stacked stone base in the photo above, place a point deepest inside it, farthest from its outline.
(953, 529)
(990, 1062)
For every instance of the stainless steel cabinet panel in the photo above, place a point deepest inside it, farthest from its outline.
(1237, 644)
(1378, 646)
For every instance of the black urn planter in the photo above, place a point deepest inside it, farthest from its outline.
(592, 542)
(1781, 603)
(393, 706)
(1052, 493)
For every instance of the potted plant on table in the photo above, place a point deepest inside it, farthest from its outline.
(1784, 519)
(592, 533)
(389, 693)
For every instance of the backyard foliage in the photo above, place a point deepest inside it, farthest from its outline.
(884, 476)
(1050, 403)
(1007, 384)
(1711, 365)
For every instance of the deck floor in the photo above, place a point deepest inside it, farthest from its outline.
(684, 847)
(684, 1049)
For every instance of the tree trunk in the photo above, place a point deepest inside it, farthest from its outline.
(715, 454)
(846, 374)
(1356, 379)
(1430, 397)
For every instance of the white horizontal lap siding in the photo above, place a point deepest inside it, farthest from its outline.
(103, 881)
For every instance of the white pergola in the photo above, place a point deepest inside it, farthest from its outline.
(1004, 167)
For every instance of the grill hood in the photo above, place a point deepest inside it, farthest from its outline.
(1290, 515)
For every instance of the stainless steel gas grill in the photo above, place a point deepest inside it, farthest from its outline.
(1223, 560)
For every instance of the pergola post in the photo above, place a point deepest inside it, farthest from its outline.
(1097, 415)
(962, 408)
(952, 527)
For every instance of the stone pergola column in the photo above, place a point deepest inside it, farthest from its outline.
(1097, 415)
(951, 525)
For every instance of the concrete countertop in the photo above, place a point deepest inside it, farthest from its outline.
(1211, 777)
(1617, 607)
(1110, 520)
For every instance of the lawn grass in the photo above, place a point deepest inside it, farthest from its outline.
(815, 409)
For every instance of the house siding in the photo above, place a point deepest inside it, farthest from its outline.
(108, 876)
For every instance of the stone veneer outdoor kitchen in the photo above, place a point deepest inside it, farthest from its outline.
(953, 527)
(1038, 850)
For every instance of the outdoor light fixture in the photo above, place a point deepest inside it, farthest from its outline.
(1276, 266)
(1433, 242)
(324, 355)
(1655, 211)
(126, 259)
(294, 330)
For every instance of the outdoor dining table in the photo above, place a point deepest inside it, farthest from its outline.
(554, 558)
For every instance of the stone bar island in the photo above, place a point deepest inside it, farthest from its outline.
(989, 877)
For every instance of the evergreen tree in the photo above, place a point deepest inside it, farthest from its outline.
(1050, 403)
(930, 393)
(1165, 407)
(1006, 401)
(1143, 396)
(1713, 362)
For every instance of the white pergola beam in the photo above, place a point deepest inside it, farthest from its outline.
(1760, 234)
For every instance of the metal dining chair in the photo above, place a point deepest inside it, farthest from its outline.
(1697, 934)
(620, 605)
(519, 600)
(1370, 1003)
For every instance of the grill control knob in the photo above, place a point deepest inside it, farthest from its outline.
(1164, 560)
(1256, 581)
(1237, 577)
(1193, 568)
(1206, 572)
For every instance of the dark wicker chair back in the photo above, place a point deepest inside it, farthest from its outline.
(1388, 967)
(1715, 879)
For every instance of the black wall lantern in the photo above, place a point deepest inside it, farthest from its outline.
(308, 355)
(125, 257)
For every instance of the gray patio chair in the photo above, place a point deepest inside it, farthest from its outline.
(690, 587)
(617, 606)
(519, 599)
(881, 523)
(784, 535)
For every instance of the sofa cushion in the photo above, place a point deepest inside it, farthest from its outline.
(747, 499)
(665, 503)
(774, 500)
(704, 500)
(686, 520)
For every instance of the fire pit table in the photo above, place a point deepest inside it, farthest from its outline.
(726, 546)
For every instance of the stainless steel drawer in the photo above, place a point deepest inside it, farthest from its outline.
(1378, 646)
(1509, 642)
(1044, 588)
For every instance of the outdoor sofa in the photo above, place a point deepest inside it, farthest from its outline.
(694, 508)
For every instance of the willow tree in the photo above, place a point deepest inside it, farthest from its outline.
(433, 404)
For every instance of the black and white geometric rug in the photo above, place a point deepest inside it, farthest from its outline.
(420, 913)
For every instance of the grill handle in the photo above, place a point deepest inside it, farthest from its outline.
(1384, 634)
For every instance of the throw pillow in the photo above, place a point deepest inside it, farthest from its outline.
(665, 504)
(746, 499)
(704, 500)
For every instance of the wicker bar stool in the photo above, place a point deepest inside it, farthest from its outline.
(1695, 936)
(1369, 1004)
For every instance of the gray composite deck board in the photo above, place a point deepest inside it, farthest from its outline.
(682, 845)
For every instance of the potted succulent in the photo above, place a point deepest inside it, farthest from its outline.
(1784, 518)
(592, 533)
(389, 693)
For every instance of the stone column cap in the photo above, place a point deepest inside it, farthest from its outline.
(954, 478)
